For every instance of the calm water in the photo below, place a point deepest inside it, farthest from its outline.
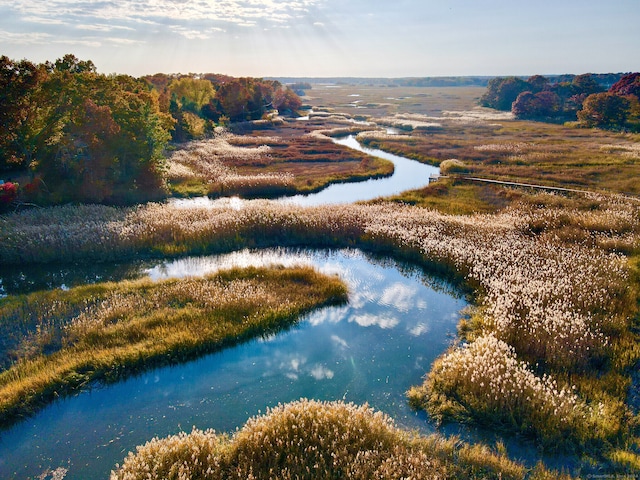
(407, 175)
(397, 321)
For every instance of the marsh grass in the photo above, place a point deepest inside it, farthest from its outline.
(529, 152)
(308, 439)
(455, 197)
(267, 166)
(529, 287)
(554, 284)
(109, 330)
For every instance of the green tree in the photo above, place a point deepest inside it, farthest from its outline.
(192, 93)
(586, 84)
(19, 84)
(605, 110)
(502, 92)
(246, 98)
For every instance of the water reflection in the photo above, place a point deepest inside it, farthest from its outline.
(370, 350)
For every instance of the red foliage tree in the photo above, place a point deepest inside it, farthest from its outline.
(8, 194)
(627, 85)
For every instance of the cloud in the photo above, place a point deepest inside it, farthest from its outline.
(320, 372)
(419, 329)
(339, 341)
(399, 296)
(190, 34)
(241, 12)
(328, 315)
(369, 320)
(43, 20)
(101, 27)
(25, 38)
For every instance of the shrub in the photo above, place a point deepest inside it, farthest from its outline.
(308, 439)
(453, 165)
(485, 381)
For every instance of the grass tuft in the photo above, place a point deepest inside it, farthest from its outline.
(308, 439)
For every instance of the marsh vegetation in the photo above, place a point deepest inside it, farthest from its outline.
(547, 352)
(57, 342)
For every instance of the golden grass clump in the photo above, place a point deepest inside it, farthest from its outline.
(453, 165)
(309, 439)
(485, 381)
(214, 162)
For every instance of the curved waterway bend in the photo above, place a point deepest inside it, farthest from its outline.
(397, 321)
(407, 175)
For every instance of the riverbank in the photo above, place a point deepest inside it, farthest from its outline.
(58, 342)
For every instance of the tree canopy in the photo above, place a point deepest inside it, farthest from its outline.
(81, 135)
(582, 98)
(87, 137)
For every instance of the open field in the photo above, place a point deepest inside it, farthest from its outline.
(378, 101)
(532, 152)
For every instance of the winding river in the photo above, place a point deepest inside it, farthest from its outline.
(398, 320)
(407, 175)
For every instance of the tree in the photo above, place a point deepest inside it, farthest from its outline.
(586, 84)
(245, 98)
(502, 92)
(627, 85)
(69, 63)
(19, 83)
(544, 104)
(286, 100)
(538, 83)
(524, 105)
(192, 93)
(605, 110)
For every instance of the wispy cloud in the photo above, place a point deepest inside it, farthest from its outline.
(101, 27)
(240, 12)
(189, 33)
(42, 20)
(24, 38)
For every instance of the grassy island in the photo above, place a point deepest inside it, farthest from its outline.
(57, 342)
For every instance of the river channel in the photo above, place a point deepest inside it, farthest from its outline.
(398, 320)
(407, 175)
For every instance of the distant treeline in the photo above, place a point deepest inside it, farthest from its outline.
(585, 98)
(73, 135)
(606, 80)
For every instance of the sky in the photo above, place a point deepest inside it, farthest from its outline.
(328, 38)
